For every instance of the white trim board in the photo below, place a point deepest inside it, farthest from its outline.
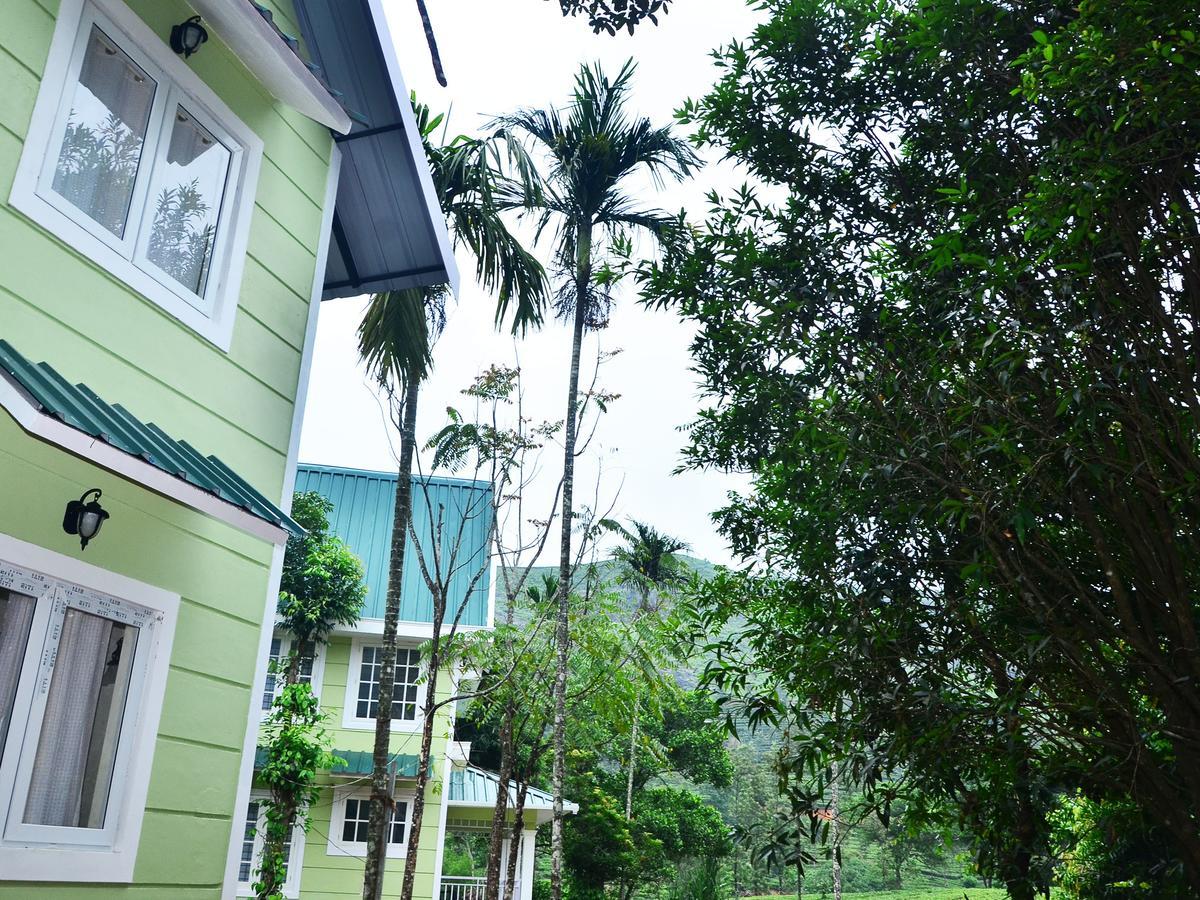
(25, 412)
(266, 629)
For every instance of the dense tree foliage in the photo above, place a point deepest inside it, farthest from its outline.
(613, 15)
(952, 334)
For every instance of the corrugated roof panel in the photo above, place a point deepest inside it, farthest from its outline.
(470, 786)
(357, 762)
(80, 407)
(364, 504)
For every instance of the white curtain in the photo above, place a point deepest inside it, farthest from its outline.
(59, 766)
(16, 614)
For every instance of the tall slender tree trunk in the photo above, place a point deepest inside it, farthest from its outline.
(633, 736)
(583, 275)
(514, 841)
(381, 797)
(423, 758)
(508, 756)
(835, 831)
(491, 888)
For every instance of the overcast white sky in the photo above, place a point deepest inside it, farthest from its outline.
(498, 55)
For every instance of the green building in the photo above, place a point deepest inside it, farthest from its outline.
(344, 674)
(176, 197)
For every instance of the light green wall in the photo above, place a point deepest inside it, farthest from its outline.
(336, 876)
(58, 306)
(186, 829)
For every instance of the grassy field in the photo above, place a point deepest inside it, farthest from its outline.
(908, 894)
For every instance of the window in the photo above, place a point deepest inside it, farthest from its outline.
(406, 680)
(351, 817)
(252, 849)
(280, 648)
(134, 162)
(79, 709)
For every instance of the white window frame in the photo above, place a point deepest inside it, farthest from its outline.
(335, 846)
(318, 669)
(291, 887)
(52, 853)
(212, 315)
(350, 718)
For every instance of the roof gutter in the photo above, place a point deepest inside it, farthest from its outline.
(263, 51)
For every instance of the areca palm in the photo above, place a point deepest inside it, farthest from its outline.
(592, 150)
(648, 562)
(396, 339)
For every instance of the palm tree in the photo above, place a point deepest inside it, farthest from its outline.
(649, 563)
(396, 340)
(592, 149)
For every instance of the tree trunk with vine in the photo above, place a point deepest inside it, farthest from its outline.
(381, 798)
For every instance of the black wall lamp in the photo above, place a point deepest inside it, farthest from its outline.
(84, 517)
(186, 37)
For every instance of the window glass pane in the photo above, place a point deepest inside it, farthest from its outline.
(73, 766)
(399, 815)
(187, 201)
(307, 657)
(269, 688)
(106, 131)
(16, 615)
(368, 683)
(404, 691)
(246, 863)
(358, 814)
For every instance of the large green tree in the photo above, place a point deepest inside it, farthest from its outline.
(590, 153)
(396, 340)
(954, 340)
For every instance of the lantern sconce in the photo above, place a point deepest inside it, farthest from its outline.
(84, 517)
(186, 37)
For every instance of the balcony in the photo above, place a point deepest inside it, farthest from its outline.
(462, 887)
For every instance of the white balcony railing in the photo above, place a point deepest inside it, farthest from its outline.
(461, 887)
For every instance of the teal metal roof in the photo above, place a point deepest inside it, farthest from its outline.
(80, 407)
(357, 762)
(364, 504)
(362, 762)
(470, 786)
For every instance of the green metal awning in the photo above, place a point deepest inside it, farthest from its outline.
(361, 762)
(471, 786)
(357, 762)
(80, 408)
